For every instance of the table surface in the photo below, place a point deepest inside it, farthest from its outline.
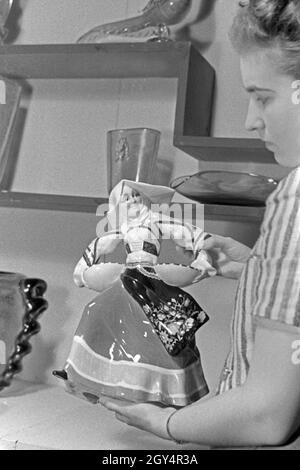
(42, 417)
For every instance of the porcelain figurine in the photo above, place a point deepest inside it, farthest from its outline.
(152, 24)
(136, 339)
(21, 303)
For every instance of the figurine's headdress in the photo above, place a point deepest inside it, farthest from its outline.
(154, 193)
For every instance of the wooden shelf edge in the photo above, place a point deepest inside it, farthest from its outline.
(50, 202)
(219, 142)
(233, 150)
(20, 200)
(110, 60)
(63, 48)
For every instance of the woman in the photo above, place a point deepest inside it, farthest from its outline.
(258, 400)
(136, 339)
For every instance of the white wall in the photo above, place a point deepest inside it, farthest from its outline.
(63, 149)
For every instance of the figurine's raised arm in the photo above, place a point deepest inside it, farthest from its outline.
(92, 255)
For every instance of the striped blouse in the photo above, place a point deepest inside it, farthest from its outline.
(269, 287)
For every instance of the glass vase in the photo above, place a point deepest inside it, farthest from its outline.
(152, 24)
(131, 154)
(10, 96)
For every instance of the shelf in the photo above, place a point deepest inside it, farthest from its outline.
(180, 60)
(90, 204)
(224, 149)
(193, 113)
(118, 60)
(124, 60)
(50, 202)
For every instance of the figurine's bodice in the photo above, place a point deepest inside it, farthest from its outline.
(142, 242)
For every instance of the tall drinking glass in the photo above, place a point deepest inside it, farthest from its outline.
(131, 155)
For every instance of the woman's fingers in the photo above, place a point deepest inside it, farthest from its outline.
(126, 412)
(144, 416)
(113, 404)
(231, 270)
(216, 241)
(184, 251)
(123, 418)
(119, 407)
(235, 250)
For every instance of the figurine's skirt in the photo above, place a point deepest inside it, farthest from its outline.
(116, 352)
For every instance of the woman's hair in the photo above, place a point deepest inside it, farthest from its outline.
(269, 24)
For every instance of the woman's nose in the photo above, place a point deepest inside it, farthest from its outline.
(253, 121)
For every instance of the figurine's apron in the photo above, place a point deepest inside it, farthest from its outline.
(116, 352)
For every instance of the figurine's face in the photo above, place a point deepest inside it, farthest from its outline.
(132, 203)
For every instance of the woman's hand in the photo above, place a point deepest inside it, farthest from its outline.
(228, 255)
(145, 416)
